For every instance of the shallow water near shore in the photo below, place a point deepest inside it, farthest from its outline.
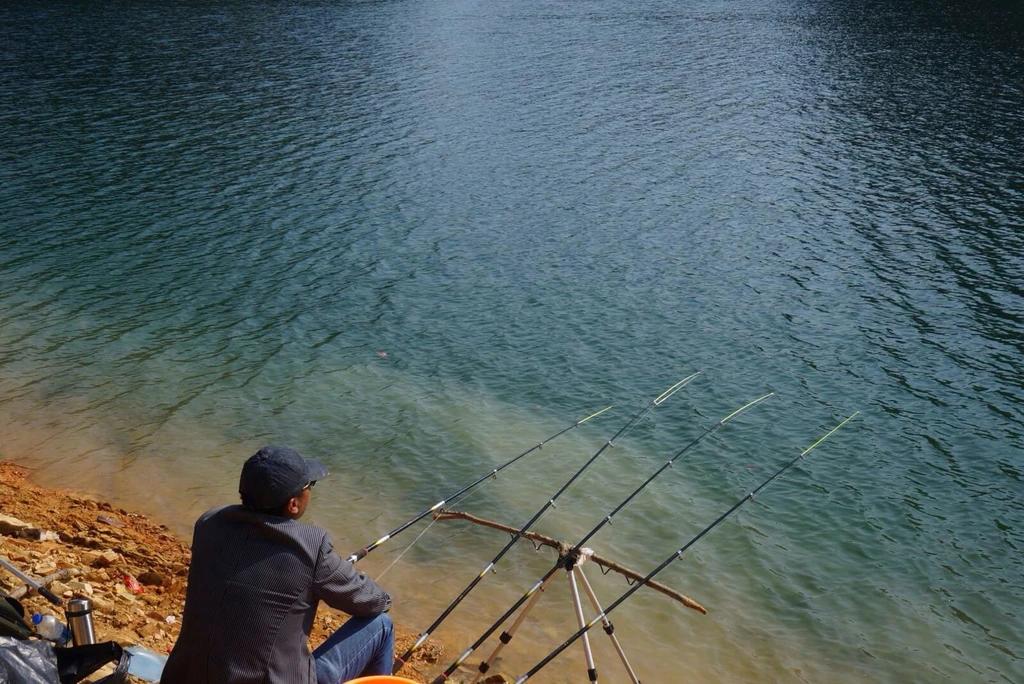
(414, 239)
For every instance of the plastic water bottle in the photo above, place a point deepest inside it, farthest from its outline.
(145, 664)
(51, 628)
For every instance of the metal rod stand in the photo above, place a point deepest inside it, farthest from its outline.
(609, 629)
(580, 621)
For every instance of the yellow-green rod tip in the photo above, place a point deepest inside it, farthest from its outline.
(830, 433)
(674, 388)
(744, 408)
(593, 415)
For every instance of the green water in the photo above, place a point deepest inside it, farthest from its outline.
(414, 239)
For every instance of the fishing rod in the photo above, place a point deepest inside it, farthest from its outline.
(569, 559)
(361, 553)
(661, 398)
(43, 591)
(678, 554)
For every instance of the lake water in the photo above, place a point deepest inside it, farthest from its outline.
(412, 239)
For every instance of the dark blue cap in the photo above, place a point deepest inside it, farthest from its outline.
(275, 474)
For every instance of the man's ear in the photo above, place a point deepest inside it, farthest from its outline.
(292, 507)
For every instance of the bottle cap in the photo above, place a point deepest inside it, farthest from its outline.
(36, 619)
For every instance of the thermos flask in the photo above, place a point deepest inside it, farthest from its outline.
(79, 614)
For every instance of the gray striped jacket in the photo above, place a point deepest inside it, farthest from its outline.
(253, 588)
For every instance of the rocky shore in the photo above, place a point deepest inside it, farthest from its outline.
(132, 568)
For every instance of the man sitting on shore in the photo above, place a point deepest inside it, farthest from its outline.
(254, 584)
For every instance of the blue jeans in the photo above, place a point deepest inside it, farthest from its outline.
(361, 647)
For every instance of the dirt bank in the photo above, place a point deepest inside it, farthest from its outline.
(132, 568)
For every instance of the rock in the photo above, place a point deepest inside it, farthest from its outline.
(97, 576)
(153, 579)
(81, 588)
(44, 568)
(102, 605)
(150, 599)
(90, 557)
(86, 540)
(156, 615)
(109, 541)
(59, 588)
(12, 526)
(37, 534)
(149, 629)
(109, 520)
(107, 558)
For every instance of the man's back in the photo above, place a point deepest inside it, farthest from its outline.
(253, 588)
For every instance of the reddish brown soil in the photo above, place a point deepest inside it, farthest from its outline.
(102, 549)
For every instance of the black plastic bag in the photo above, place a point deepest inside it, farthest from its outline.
(27, 662)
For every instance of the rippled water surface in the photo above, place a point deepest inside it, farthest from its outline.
(413, 239)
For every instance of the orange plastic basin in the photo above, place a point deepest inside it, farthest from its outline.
(380, 679)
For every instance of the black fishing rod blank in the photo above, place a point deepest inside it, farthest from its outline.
(361, 553)
(568, 560)
(677, 554)
(661, 398)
